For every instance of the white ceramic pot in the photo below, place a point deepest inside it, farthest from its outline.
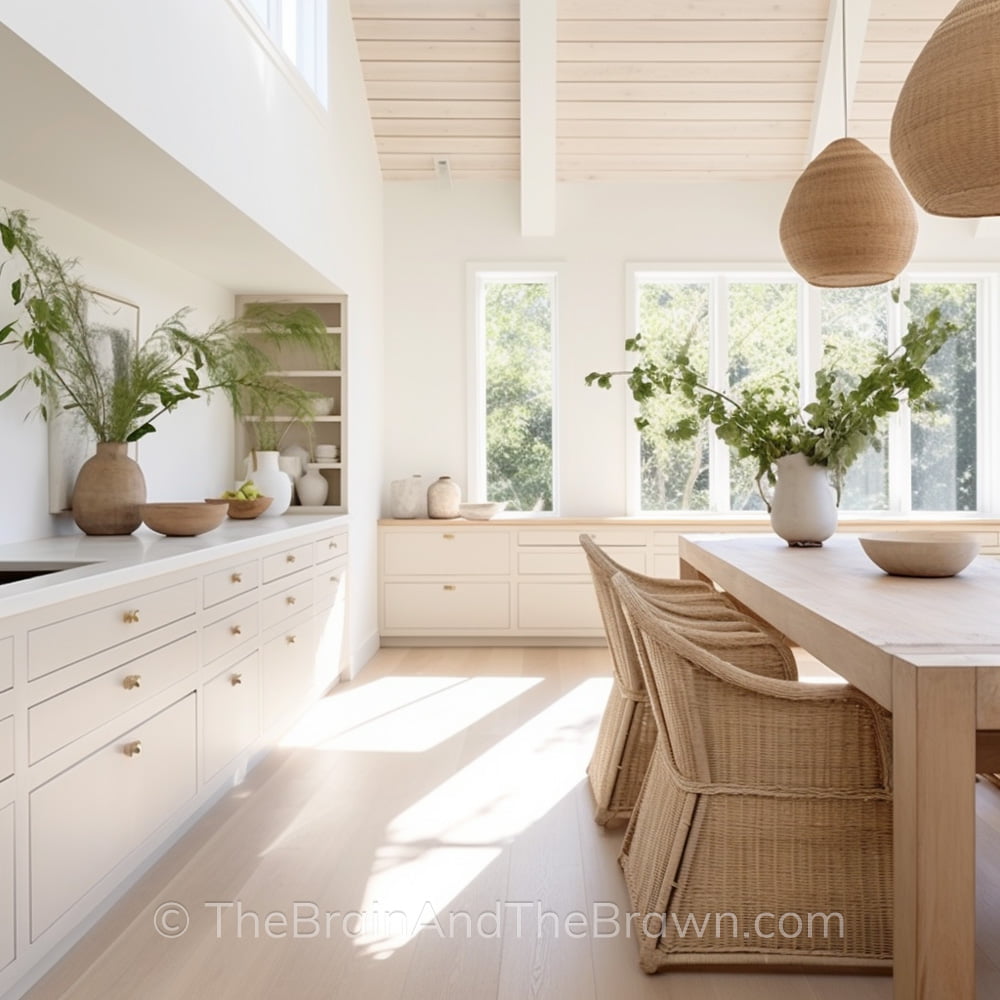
(407, 496)
(804, 508)
(263, 469)
(312, 487)
(443, 497)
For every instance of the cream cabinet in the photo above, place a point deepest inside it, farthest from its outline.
(299, 366)
(527, 580)
(139, 698)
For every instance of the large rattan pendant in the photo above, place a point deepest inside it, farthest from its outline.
(848, 221)
(945, 137)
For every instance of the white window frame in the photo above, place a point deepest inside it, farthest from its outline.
(477, 275)
(810, 355)
(300, 54)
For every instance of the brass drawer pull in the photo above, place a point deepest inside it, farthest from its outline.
(290, 558)
(236, 680)
(133, 749)
(334, 579)
(450, 586)
(332, 545)
(236, 629)
(237, 578)
(132, 681)
(448, 536)
(130, 617)
(289, 639)
(290, 599)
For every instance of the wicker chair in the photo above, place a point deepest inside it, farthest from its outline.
(627, 733)
(766, 803)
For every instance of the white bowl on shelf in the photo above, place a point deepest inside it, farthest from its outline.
(323, 405)
(921, 553)
(480, 511)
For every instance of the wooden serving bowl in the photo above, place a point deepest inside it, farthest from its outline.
(921, 553)
(184, 519)
(243, 510)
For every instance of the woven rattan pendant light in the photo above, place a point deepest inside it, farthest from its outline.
(945, 137)
(848, 221)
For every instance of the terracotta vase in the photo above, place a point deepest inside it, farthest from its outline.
(109, 490)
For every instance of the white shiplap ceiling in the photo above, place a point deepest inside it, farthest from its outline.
(645, 89)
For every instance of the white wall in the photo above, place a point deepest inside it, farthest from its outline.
(192, 79)
(433, 231)
(174, 470)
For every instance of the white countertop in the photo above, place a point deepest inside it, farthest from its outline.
(119, 559)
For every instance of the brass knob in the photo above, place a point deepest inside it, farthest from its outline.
(449, 536)
(133, 749)
(237, 578)
(334, 579)
(332, 545)
(130, 617)
(290, 599)
(236, 630)
(236, 680)
(289, 558)
(450, 586)
(289, 639)
(132, 681)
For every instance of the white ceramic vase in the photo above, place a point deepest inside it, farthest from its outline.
(312, 487)
(804, 508)
(443, 497)
(267, 476)
(406, 497)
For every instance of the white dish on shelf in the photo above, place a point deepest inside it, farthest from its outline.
(480, 511)
(921, 553)
(323, 405)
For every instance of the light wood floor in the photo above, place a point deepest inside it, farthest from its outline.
(439, 783)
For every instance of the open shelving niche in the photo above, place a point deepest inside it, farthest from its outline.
(298, 364)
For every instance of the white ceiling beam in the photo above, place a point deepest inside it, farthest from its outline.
(828, 109)
(538, 117)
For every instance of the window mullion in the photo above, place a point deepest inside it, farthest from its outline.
(898, 437)
(719, 493)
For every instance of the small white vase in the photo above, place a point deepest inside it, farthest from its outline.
(406, 497)
(263, 469)
(804, 508)
(443, 497)
(312, 487)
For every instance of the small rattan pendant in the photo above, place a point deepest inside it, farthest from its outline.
(945, 137)
(848, 221)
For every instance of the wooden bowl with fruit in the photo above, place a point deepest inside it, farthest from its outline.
(245, 503)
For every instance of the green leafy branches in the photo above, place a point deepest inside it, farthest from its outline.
(118, 387)
(765, 421)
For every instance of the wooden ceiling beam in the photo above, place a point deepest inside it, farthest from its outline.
(538, 117)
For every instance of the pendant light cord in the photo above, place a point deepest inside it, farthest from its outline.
(843, 56)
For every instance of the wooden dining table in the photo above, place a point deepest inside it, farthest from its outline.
(929, 651)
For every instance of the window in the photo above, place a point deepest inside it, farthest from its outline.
(298, 28)
(744, 329)
(512, 450)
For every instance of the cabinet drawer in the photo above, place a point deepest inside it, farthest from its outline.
(230, 582)
(330, 547)
(571, 536)
(287, 561)
(446, 553)
(557, 606)
(447, 606)
(231, 712)
(287, 670)
(6, 663)
(6, 747)
(7, 916)
(55, 723)
(573, 562)
(230, 632)
(329, 583)
(87, 819)
(61, 643)
(282, 604)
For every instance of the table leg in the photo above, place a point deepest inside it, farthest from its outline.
(934, 756)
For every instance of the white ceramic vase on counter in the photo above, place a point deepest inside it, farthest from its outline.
(312, 487)
(407, 496)
(443, 497)
(263, 469)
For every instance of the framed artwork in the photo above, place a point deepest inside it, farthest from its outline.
(71, 442)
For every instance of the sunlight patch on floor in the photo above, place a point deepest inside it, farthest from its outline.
(403, 714)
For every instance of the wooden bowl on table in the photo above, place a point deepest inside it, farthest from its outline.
(182, 519)
(243, 510)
